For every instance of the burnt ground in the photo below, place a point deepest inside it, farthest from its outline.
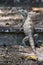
(11, 55)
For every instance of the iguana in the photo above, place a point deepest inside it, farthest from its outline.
(28, 28)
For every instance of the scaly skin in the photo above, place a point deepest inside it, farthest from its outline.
(28, 30)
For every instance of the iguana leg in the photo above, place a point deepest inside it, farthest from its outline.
(25, 39)
(31, 41)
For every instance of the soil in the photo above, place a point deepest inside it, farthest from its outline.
(11, 55)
